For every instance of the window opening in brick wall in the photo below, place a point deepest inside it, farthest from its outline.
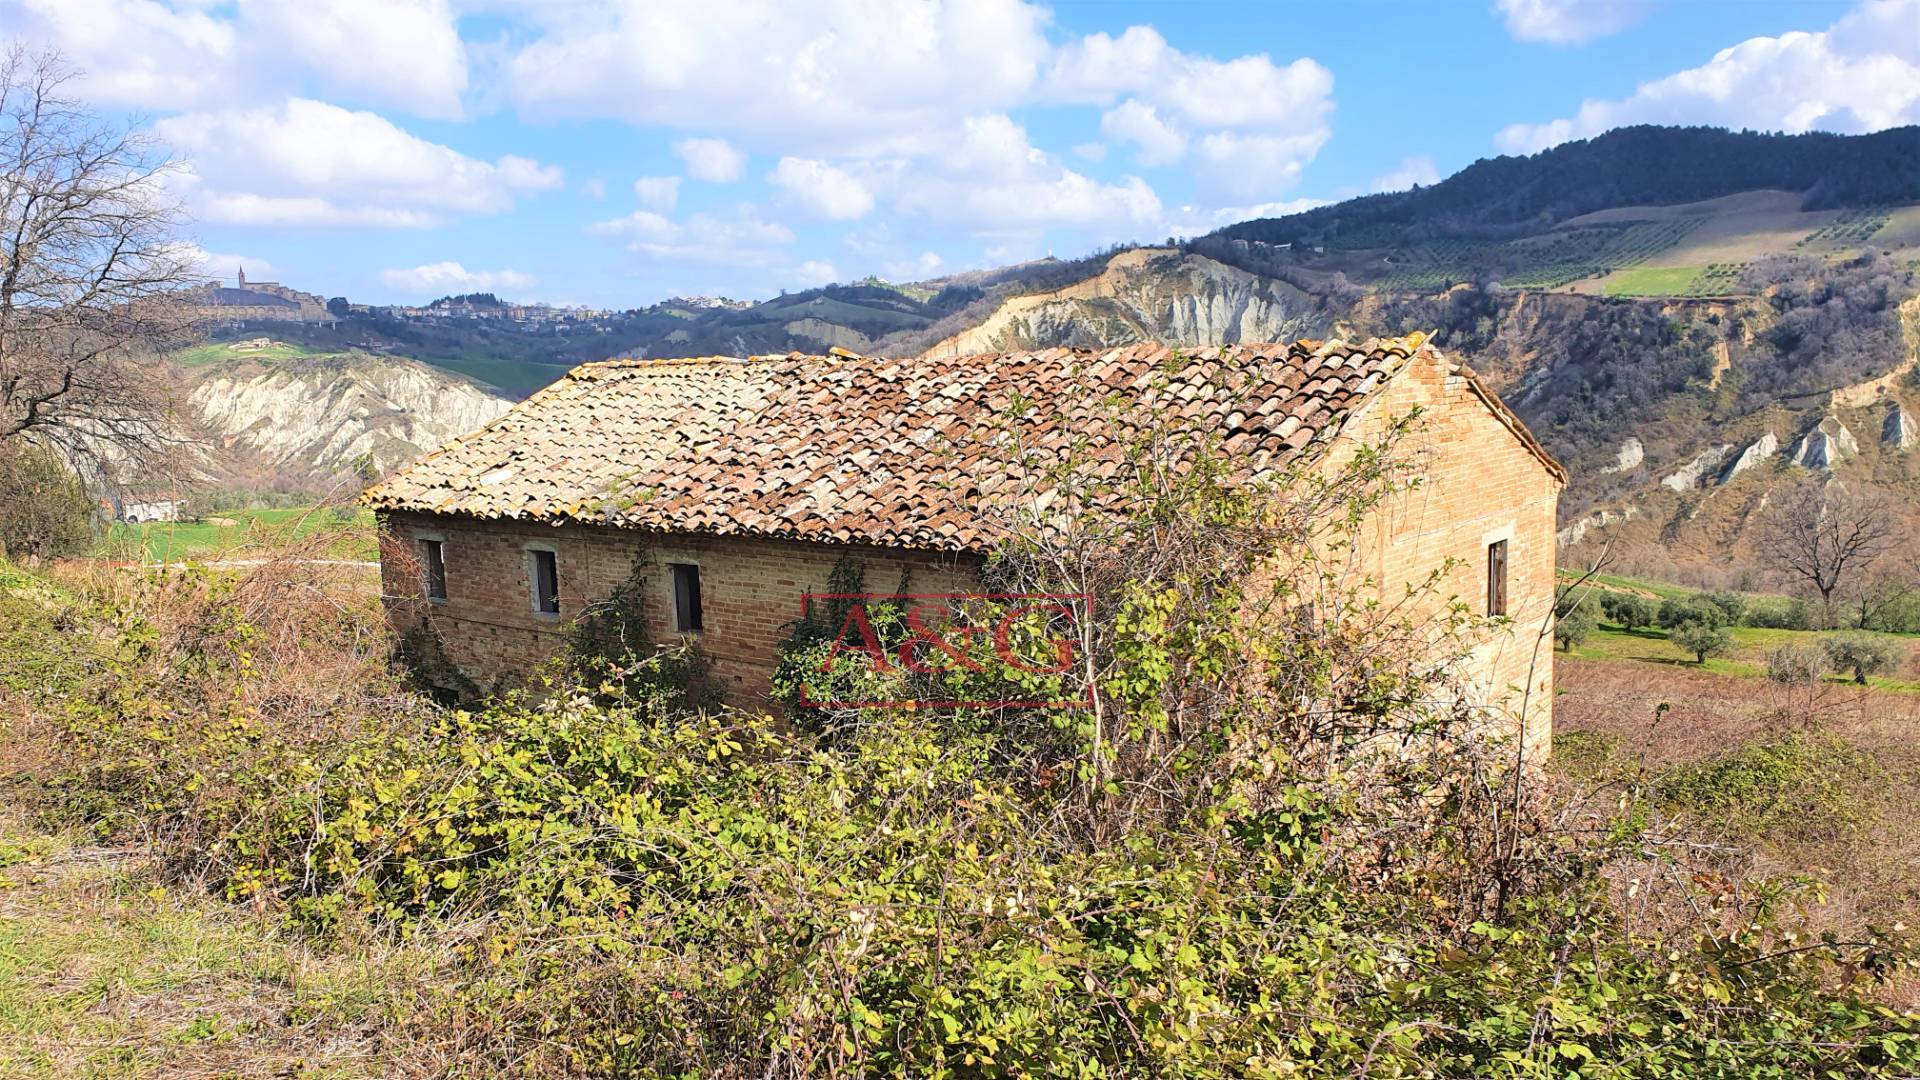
(1497, 578)
(546, 582)
(686, 598)
(433, 566)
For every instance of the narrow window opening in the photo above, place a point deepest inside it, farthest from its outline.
(546, 583)
(433, 560)
(686, 598)
(1497, 578)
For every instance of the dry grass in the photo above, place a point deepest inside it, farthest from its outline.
(104, 972)
(1860, 838)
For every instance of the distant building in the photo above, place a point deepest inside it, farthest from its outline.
(259, 301)
(152, 509)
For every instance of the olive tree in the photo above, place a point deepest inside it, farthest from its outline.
(1861, 653)
(1702, 639)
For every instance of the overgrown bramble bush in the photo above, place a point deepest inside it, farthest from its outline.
(1271, 845)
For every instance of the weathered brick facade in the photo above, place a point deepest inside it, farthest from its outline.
(1479, 483)
(847, 456)
(750, 589)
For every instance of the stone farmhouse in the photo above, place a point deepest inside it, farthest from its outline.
(744, 480)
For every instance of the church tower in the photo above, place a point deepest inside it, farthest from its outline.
(243, 276)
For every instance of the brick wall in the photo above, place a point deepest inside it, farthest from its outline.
(750, 589)
(1477, 483)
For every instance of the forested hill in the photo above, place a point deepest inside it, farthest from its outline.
(1635, 166)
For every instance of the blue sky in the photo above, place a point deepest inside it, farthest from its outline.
(616, 153)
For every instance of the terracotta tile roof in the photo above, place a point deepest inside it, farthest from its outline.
(868, 450)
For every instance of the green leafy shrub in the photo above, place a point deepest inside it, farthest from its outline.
(1861, 653)
(1733, 607)
(1677, 610)
(1629, 611)
(1784, 613)
(44, 508)
(1267, 846)
(1809, 787)
(610, 646)
(1702, 639)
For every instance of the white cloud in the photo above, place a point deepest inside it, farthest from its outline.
(1860, 74)
(925, 265)
(594, 188)
(1410, 171)
(1195, 220)
(308, 162)
(1569, 22)
(716, 160)
(403, 53)
(838, 73)
(821, 189)
(742, 239)
(1134, 121)
(660, 193)
(1246, 92)
(1090, 151)
(814, 272)
(133, 52)
(223, 265)
(146, 54)
(443, 278)
(1247, 166)
(993, 181)
(1248, 112)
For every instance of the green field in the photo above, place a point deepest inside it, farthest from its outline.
(1622, 583)
(1652, 281)
(220, 351)
(232, 532)
(1649, 645)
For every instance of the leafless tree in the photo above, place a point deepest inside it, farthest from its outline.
(1824, 537)
(91, 271)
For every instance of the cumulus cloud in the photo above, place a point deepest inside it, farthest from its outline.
(403, 54)
(1245, 112)
(993, 181)
(1410, 171)
(815, 272)
(741, 239)
(925, 265)
(311, 163)
(222, 264)
(848, 71)
(659, 193)
(1569, 22)
(1860, 74)
(443, 278)
(1157, 142)
(711, 159)
(821, 189)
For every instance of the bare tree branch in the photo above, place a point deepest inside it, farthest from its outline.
(92, 275)
(1826, 536)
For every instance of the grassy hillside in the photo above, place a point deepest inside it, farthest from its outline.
(232, 533)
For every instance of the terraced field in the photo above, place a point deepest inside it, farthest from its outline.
(1548, 261)
(1851, 228)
